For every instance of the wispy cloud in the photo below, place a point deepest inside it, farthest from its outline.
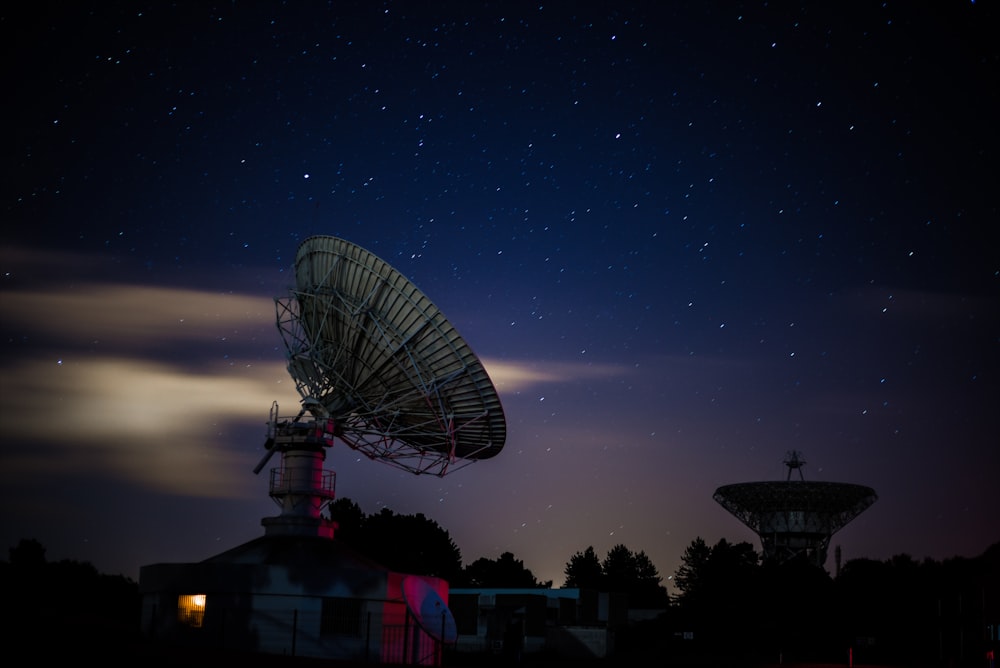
(135, 317)
(518, 376)
(110, 394)
(144, 383)
(151, 423)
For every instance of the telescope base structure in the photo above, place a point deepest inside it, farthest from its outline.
(301, 487)
(795, 518)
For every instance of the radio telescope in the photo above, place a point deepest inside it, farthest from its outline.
(795, 517)
(380, 368)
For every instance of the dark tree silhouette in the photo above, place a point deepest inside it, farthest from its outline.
(622, 571)
(706, 572)
(350, 520)
(411, 544)
(619, 568)
(690, 577)
(88, 607)
(795, 615)
(404, 543)
(720, 599)
(648, 591)
(28, 554)
(505, 572)
(584, 571)
(904, 610)
(898, 611)
(634, 575)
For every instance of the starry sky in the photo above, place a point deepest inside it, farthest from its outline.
(684, 238)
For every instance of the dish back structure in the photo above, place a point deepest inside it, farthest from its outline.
(795, 518)
(379, 367)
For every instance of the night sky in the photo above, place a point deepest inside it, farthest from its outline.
(683, 238)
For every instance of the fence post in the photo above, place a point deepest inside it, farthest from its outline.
(368, 636)
(440, 643)
(406, 637)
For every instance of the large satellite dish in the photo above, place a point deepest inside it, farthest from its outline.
(369, 352)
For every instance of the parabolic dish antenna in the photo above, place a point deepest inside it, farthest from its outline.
(795, 517)
(370, 352)
(429, 610)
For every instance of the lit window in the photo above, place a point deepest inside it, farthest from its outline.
(191, 609)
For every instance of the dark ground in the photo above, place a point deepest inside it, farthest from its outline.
(137, 652)
(148, 655)
(111, 645)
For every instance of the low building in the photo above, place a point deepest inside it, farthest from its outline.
(307, 596)
(567, 622)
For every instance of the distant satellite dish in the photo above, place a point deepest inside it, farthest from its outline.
(795, 518)
(368, 351)
(429, 610)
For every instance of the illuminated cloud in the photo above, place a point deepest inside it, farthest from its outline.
(131, 383)
(153, 424)
(136, 317)
(511, 376)
(102, 398)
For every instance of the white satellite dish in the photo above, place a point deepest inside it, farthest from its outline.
(429, 610)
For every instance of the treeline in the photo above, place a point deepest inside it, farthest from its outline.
(731, 604)
(418, 545)
(728, 603)
(894, 612)
(71, 596)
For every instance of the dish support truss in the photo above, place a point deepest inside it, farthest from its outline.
(409, 422)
